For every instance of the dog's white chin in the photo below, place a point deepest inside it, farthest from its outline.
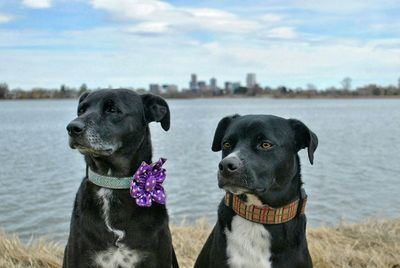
(235, 190)
(95, 152)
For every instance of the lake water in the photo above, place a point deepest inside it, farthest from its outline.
(355, 175)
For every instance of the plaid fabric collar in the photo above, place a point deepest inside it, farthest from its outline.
(266, 214)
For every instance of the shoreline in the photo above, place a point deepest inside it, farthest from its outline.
(373, 243)
(366, 97)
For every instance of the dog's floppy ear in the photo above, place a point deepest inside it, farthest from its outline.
(220, 132)
(156, 109)
(304, 138)
(83, 96)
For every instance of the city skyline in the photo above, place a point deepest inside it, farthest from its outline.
(125, 43)
(200, 85)
(222, 87)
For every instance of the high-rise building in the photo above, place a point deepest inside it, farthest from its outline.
(155, 88)
(251, 80)
(202, 86)
(213, 84)
(236, 85)
(193, 85)
(228, 88)
(170, 88)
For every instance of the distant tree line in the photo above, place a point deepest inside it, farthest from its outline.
(64, 92)
(311, 91)
(371, 90)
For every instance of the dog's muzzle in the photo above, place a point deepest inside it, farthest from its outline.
(230, 167)
(75, 128)
(230, 174)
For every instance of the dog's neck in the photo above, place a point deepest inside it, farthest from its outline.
(122, 163)
(271, 208)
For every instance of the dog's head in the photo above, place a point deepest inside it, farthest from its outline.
(259, 153)
(113, 120)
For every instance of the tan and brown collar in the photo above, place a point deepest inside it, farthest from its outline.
(265, 214)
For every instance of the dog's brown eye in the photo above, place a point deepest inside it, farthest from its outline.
(81, 110)
(111, 109)
(227, 146)
(266, 145)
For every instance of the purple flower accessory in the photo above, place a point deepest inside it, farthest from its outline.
(146, 184)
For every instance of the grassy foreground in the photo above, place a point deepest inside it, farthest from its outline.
(371, 244)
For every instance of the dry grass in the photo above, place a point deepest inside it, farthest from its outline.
(35, 253)
(373, 244)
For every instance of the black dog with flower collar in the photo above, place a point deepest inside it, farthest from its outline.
(108, 228)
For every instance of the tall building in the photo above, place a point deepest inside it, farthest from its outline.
(155, 88)
(202, 86)
(228, 88)
(236, 86)
(213, 84)
(193, 85)
(169, 88)
(251, 80)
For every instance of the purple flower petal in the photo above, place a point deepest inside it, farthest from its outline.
(146, 184)
(136, 190)
(160, 176)
(150, 183)
(158, 195)
(144, 200)
(159, 163)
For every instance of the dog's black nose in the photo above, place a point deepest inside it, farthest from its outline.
(75, 128)
(230, 165)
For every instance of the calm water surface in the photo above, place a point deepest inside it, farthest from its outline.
(355, 174)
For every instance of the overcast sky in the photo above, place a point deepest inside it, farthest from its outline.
(131, 43)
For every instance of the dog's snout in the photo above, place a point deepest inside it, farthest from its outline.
(230, 165)
(220, 166)
(75, 128)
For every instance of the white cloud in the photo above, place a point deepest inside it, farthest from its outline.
(282, 33)
(134, 9)
(220, 21)
(5, 18)
(149, 28)
(271, 18)
(153, 12)
(37, 3)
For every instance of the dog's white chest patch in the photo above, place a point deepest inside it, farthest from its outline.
(117, 257)
(248, 244)
(105, 195)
